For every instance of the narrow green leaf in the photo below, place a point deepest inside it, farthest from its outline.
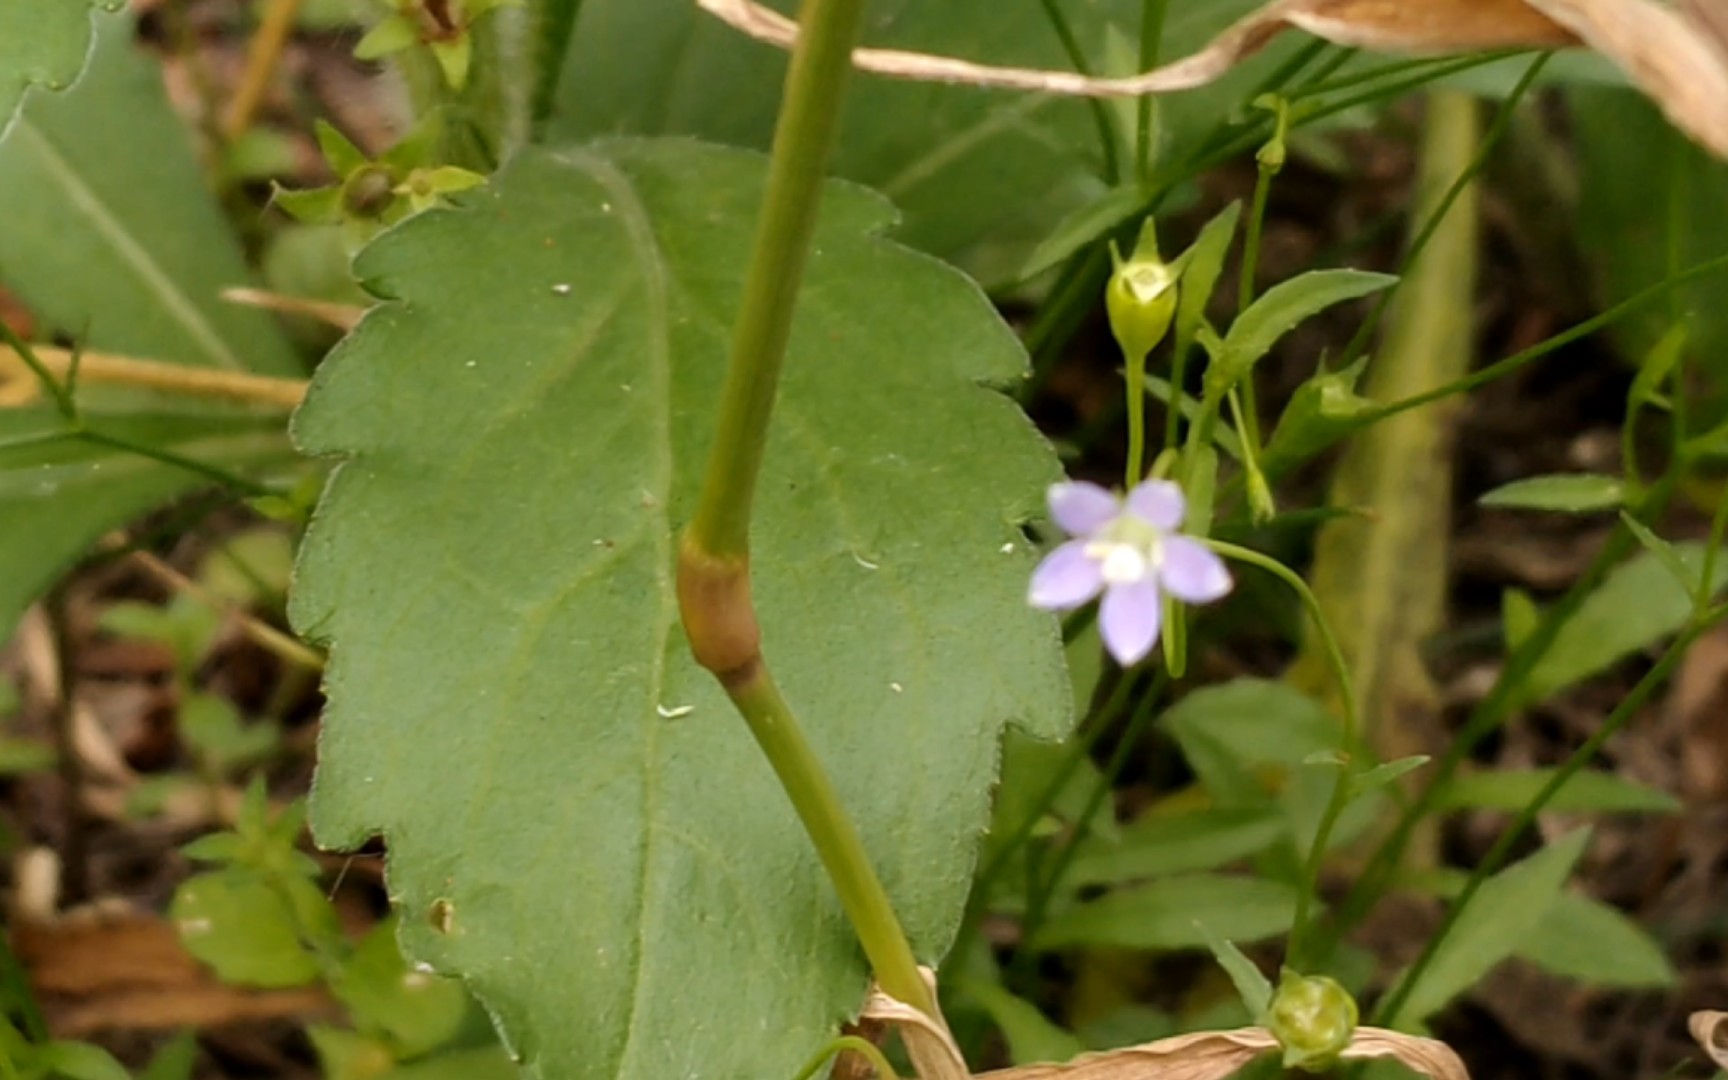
(175, 1061)
(1582, 938)
(1157, 845)
(112, 237)
(1167, 914)
(1288, 303)
(1519, 617)
(578, 822)
(1032, 1036)
(1381, 775)
(1663, 550)
(1203, 263)
(1084, 225)
(1638, 605)
(80, 1061)
(1570, 493)
(1251, 983)
(1504, 913)
(43, 43)
(1588, 791)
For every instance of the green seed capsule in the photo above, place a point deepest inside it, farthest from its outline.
(1313, 1019)
(1141, 299)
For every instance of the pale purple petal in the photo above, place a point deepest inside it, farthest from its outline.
(1192, 572)
(1158, 503)
(1081, 508)
(1129, 620)
(1066, 578)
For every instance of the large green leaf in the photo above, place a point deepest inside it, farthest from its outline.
(109, 234)
(578, 823)
(42, 43)
(982, 176)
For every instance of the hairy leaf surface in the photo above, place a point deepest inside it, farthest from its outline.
(578, 823)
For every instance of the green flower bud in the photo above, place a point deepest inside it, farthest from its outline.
(1141, 299)
(1313, 1019)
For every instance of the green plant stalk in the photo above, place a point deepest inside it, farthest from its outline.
(714, 560)
(1108, 139)
(1152, 14)
(1489, 714)
(1136, 376)
(1038, 900)
(864, 1048)
(1387, 1010)
(1303, 926)
(836, 838)
(803, 140)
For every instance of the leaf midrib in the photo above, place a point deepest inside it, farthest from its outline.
(131, 252)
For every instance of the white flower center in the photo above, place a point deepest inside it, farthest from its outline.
(1127, 550)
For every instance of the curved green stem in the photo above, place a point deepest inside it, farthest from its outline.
(864, 1048)
(1302, 930)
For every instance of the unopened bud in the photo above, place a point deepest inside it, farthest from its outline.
(1313, 1019)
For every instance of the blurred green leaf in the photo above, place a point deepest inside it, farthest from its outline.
(1570, 493)
(211, 725)
(1513, 789)
(1381, 775)
(1519, 617)
(175, 1061)
(1582, 938)
(1202, 264)
(417, 1010)
(1645, 191)
(486, 712)
(1506, 910)
(79, 1060)
(1032, 1036)
(1323, 410)
(184, 625)
(983, 177)
(348, 1055)
(236, 922)
(113, 238)
(1159, 844)
(1638, 605)
(43, 43)
(1174, 913)
(477, 1063)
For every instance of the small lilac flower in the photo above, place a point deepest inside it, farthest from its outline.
(1130, 551)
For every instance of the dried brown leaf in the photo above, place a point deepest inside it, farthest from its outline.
(1203, 1055)
(1677, 56)
(1430, 1057)
(1708, 1027)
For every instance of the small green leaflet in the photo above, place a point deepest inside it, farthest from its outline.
(578, 822)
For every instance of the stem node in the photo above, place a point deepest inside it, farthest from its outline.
(719, 617)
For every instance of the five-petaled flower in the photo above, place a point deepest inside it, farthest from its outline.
(1129, 550)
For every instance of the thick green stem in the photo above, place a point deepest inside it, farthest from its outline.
(809, 119)
(713, 570)
(836, 838)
